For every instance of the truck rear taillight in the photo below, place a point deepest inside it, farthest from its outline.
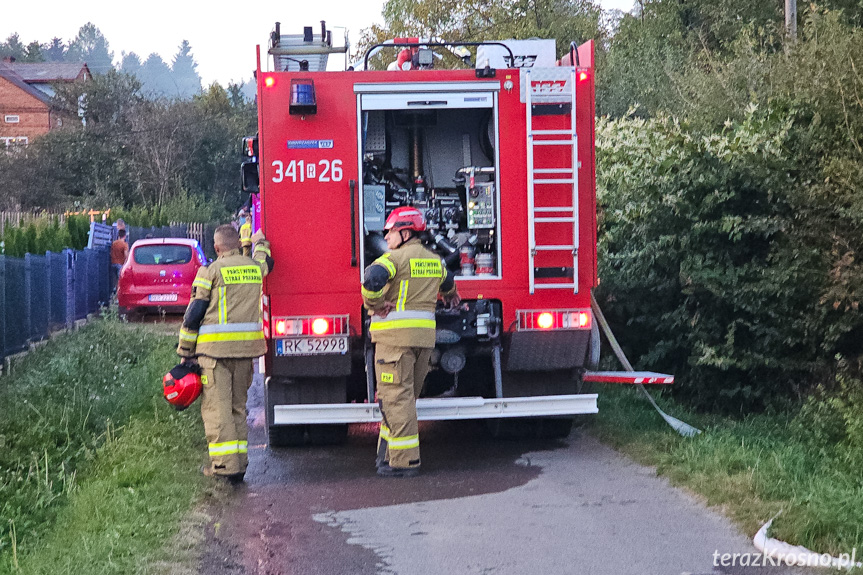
(311, 325)
(544, 320)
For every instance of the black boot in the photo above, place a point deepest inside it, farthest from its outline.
(385, 470)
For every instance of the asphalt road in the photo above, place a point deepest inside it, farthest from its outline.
(482, 506)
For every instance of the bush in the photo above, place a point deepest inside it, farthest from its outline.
(831, 419)
(703, 258)
(46, 234)
(180, 207)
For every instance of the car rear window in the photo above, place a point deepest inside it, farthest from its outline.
(162, 254)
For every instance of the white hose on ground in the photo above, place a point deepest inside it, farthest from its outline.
(799, 555)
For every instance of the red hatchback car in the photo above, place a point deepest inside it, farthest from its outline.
(158, 274)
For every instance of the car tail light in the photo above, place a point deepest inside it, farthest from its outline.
(127, 274)
(310, 325)
(546, 320)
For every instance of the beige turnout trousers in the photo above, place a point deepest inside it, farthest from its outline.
(223, 409)
(400, 372)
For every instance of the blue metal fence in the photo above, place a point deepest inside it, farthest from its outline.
(39, 294)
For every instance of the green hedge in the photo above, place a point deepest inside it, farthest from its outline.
(46, 234)
(720, 263)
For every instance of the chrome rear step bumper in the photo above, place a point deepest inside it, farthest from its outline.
(436, 409)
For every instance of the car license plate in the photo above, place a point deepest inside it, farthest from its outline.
(312, 345)
(162, 297)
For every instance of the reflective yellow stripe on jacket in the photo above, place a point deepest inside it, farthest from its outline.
(372, 294)
(403, 319)
(384, 260)
(403, 294)
(202, 283)
(223, 305)
(231, 332)
(187, 335)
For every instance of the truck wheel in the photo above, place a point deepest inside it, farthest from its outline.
(333, 434)
(286, 435)
(592, 359)
(554, 427)
(512, 428)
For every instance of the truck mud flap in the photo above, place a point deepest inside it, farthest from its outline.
(544, 351)
(437, 409)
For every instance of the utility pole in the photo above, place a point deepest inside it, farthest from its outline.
(791, 19)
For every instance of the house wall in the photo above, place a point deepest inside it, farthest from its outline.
(34, 116)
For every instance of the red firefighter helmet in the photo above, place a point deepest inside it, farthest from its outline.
(182, 385)
(406, 218)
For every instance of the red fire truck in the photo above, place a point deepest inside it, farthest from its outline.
(500, 159)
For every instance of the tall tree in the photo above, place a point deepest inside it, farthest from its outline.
(12, 48)
(476, 20)
(184, 69)
(90, 46)
(155, 76)
(55, 50)
(33, 52)
(130, 63)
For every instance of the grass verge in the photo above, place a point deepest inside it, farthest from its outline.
(97, 473)
(749, 468)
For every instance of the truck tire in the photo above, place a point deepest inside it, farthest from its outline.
(524, 384)
(327, 434)
(554, 427)
(592, 359)
(280, 435)
(286, 435)
(305, 390)
(530, 427)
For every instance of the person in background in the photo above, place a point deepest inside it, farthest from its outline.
(245, 232)
(119, 253)
(120, 224)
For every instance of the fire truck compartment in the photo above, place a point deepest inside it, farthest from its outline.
(435, 150)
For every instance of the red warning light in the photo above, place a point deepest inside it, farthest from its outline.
(269, 81)
(320, 326)
(545, 320)
(582, 76)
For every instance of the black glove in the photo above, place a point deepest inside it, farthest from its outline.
(191, 364)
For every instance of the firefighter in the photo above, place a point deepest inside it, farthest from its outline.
(222, 328)
(400, 290)
(245, 232)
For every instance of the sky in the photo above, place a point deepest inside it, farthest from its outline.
(223, 35)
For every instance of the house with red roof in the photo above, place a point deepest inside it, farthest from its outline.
(26, 98)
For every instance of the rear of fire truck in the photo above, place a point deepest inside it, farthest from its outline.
(499, 156)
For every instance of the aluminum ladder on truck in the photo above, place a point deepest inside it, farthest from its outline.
(545, 87)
